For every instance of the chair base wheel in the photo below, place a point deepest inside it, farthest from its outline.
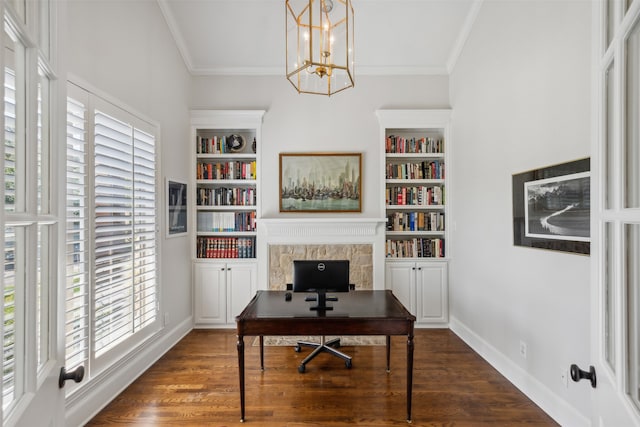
(348, 364)
(301, 368)
(297, 349)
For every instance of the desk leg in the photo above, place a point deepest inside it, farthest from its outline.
(261, 353)
(388, 354)
(409, 374)
(241, 371)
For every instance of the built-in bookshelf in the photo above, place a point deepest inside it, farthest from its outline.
(415, 173)
(225, 144)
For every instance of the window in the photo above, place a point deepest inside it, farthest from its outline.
(111, 231)
(15, 165)
(29, 223)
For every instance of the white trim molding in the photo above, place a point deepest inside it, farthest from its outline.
(552, 404)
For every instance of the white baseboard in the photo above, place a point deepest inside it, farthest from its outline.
(88, 402)
(551, 403)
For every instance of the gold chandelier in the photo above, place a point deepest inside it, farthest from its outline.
(320, 55)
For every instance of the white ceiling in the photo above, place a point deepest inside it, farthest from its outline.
(247, 37)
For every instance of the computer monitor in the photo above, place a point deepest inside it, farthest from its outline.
(321, 276)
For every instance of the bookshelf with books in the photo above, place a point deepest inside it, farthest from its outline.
(226, 170)
(415, 166)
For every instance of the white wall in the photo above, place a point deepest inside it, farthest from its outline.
(124, 49)
(520, 93)
(313, 123)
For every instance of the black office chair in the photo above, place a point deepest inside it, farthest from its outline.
(320, 277)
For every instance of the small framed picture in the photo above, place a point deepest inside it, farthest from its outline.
(176, 208)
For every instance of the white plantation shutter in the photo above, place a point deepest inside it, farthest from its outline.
(77, 273)
(9, 305)
(145, 248)
(112, 231)
(113, 306)
(9, 320)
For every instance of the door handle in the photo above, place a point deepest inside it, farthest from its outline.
(578, 374)
(77, 375)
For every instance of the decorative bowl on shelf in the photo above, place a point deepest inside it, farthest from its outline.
(235, 143)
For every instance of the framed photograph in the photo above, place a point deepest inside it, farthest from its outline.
(320, 182)
(176, 208)
(552, 207)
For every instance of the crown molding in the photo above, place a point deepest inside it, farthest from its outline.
(359, 71)
(177, 35)
(463, 35)
(362, 70)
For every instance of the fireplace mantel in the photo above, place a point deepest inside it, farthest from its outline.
(314, 231)
(320, 228)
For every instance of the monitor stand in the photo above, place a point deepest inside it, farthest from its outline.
(322, 299)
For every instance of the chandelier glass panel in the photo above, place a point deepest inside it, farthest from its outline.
(320, 55)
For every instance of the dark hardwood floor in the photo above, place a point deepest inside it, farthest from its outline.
(196, 384)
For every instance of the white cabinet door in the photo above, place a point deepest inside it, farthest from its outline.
(400, 278)
(210, 293)
(432, 300)
(241, 286)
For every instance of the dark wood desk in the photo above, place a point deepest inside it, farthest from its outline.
(355, 313)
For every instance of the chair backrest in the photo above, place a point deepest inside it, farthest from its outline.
(319, 275)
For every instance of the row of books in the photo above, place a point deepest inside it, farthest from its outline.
(226, 247)
(423, 170)
(400, 145)
(223, 196)
(212, 145)
(415, 221)
(415, 248)
(226, 170)
(227, 221)
(417, 196)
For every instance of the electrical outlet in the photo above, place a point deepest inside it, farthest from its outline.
(523, 349)
(564, 377)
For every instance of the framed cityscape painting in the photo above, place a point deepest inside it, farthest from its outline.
(552, 207)
(320, 182)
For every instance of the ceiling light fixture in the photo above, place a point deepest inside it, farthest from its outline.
(320, 55)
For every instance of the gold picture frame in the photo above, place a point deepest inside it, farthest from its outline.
(320, 182)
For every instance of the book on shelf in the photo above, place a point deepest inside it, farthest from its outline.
(226, 196)
(415, 248)
(226, 170)
(416, 196)
(415, 221)
(226, 221)
(226, 247)
(211, 145)
(428, 169)
(423, 145)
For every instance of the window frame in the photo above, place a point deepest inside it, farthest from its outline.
(97, 100)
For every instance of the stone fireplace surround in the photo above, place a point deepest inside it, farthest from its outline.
(360, 240)
(281, 259)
